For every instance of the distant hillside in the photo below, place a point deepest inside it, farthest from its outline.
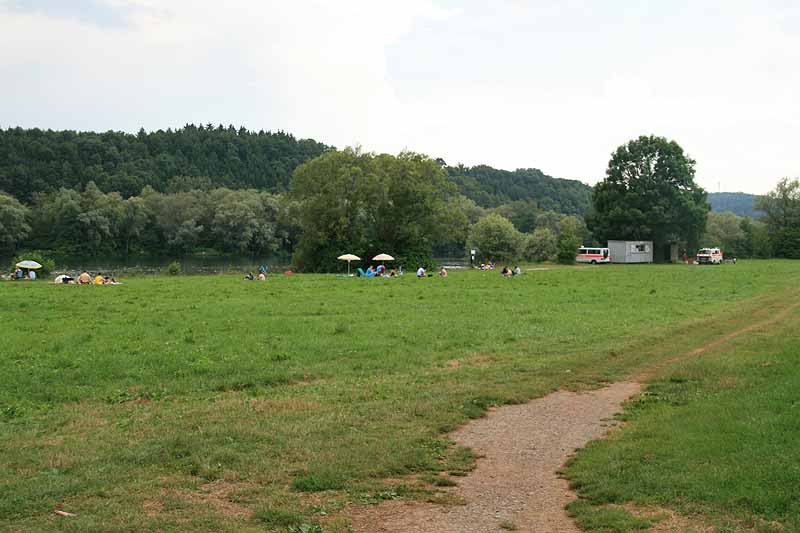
(741, 203)
(491, 187)
(34, 160)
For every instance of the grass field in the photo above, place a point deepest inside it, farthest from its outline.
(715, 437)
(217, 404)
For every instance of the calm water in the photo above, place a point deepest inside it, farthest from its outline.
(197, 264)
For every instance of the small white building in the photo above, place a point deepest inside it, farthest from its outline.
(631, 251)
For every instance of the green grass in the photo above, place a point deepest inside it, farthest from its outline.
(715, 438)
(219, 404)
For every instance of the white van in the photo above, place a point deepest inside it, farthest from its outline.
(591, 255)
(709, 256)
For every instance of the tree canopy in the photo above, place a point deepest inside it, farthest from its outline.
(13, 222)
(350, 201)
(781, 208)
(495, 238)
(649, 193)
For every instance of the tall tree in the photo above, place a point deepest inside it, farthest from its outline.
(366, 203)
(495, 238)
(649, 193)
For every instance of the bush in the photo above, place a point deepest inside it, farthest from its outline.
(568, 245)
(48, 264)
(495, 238)
(174, 268)
(541, 245)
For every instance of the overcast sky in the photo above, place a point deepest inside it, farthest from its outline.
(555, 85)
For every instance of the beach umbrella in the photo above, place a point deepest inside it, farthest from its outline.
(382, 258)
(348, 258)
(30, 265)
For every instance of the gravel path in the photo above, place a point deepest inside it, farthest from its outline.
(515, 484)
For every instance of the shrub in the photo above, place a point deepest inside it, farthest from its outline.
(568, 245)
(174, 268)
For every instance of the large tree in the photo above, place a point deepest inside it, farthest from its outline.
(649, 193)
(495, 238)
(365, 203)
(781, 208)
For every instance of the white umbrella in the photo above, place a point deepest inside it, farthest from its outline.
(382, 258)
(348, 258)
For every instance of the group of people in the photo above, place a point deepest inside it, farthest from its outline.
(20, 275)
(380, 272)
(84, 278)
(509, 272)
(261, 276)
(487, 266)
(421, 272)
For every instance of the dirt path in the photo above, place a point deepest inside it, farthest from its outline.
(515, 484)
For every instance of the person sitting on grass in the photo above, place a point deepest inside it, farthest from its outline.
(443, 272)
(98, 279)
(420, 272)
(517, 271)
(84, 278)
(249, 276)
(262, 276)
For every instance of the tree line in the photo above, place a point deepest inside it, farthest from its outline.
(341, 201)
(410, 205)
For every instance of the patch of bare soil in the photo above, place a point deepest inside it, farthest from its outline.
(515, 485)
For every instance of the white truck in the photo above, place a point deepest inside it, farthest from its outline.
(709, 256)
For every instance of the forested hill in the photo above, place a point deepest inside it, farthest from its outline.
(740, 203)
(491, 187)
(33, 160)
(206, 157)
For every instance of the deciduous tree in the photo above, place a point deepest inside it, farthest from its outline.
(649, 193)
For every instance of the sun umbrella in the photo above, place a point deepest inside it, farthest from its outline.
(382, 258)
(31, 265)
(348, 258)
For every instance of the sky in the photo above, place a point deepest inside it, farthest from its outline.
(556, 85)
